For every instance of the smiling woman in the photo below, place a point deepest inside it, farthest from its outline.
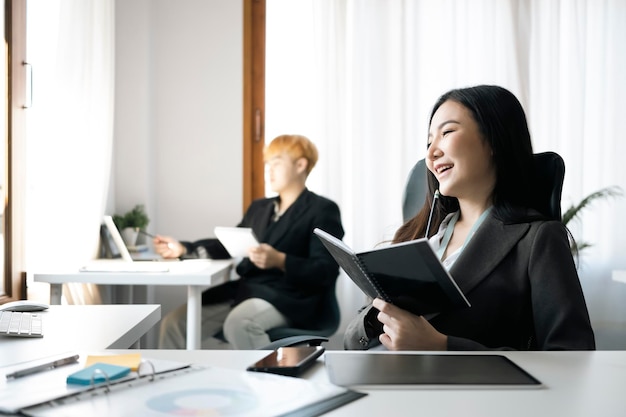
(505, 255)
(375, 69)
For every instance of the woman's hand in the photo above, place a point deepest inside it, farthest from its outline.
(265, 256)
(405, 331)
(167, 247)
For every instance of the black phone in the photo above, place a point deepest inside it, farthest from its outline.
(289, 361)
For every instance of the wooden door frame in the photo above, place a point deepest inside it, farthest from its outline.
(253, 100)
(14, 274)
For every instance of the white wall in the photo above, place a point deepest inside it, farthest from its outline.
(178, 113)
(178, 118)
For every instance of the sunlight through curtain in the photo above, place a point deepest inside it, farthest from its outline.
(71, 48)
(361, 76)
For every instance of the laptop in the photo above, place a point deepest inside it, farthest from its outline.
(121, 259)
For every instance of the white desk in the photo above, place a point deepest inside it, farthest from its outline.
(197, 275)
(83, 327)
(576, 384)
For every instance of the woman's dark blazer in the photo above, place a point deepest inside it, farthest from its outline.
(524, 291)
(310, 270)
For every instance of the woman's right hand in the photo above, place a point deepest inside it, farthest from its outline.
(168, 247)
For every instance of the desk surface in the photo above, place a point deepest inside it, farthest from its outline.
(82, 327)
(197, 275)
(576, 384)
(189, 272)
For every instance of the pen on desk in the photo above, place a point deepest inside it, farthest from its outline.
(43, 367)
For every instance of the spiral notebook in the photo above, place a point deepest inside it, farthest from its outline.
(407, 274)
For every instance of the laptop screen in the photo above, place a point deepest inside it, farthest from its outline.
(114, 240)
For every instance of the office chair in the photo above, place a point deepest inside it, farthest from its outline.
(550, 175)
(328, 322)
(415, 191)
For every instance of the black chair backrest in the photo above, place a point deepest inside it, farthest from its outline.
(415, 191)
(550, 174)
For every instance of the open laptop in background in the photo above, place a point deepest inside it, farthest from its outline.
(117, 247)
(112, 240)
(121, 259)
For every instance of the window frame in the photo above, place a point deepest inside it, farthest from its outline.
(14, 278)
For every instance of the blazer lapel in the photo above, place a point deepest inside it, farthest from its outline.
(261, 219)
(484, 252)
(276, 231)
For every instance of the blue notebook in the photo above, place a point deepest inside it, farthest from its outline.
(97, 373)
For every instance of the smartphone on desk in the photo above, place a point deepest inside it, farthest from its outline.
(288, 361)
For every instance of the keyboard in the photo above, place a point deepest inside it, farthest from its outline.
(20, 324)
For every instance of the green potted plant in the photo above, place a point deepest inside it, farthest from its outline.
(573, 212)
(131, 223)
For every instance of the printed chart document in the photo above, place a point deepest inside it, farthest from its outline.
(201, 391)
(51, 384)
(407, 274)
(236, 240)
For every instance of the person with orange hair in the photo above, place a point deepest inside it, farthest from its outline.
(283, 280)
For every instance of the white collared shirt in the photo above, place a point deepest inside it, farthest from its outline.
(435, 242)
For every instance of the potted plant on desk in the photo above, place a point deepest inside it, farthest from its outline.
(131, 223)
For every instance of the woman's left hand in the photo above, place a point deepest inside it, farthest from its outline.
(405, 331)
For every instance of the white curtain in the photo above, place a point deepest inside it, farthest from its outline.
(360, 77)
(71, 49)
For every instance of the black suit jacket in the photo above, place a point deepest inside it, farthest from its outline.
(524, 291)
(310, 270)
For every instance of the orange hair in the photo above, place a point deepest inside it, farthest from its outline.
(296, 146)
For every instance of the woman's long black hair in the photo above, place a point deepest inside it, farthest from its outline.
(502, 122)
